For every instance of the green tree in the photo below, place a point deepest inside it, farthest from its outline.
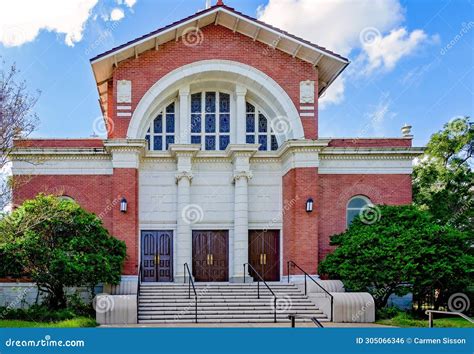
(443, 179)
(405, 251)
(58, 244)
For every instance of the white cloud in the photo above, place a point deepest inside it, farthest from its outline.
(385, 52)
(130, 3)
(378, 117)
(22, 20)
(344, 27)
(117, 14)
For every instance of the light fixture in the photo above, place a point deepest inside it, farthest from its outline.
(123, 205)
(309, 205)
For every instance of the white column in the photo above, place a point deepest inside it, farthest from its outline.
(183, 250)
(241, 110)
(241, 221)
(185, 211)
(184, 126)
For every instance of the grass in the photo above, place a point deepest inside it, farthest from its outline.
(405, 320)
(73, 323)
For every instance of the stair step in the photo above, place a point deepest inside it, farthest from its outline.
(216, 316)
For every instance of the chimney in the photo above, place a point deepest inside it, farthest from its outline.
(406, 131)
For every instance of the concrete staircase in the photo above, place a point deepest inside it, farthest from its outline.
(222, 302)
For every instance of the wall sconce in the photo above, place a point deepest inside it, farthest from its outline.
(309, 205)
(123, 205)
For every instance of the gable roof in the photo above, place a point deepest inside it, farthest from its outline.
(329, 64)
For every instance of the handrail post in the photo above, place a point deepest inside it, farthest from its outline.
(184, 273)
(288, 270)
(244, 273)
(305, 286)
(293, 321)
(258, 289)
(430, 319)
(332, 309)
(196, 309)
(275, 309)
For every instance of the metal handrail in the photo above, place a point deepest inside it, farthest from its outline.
(293, 318)
(260, 278)
(139, 286)
(431, 312)
(191, 282)
(314, 281)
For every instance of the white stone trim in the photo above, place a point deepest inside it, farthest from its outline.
(306, 108)
(249, 77)
(364, 165)
(124, 108)
(63, 167)
(304, 114)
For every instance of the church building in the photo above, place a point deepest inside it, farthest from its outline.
(212, 157)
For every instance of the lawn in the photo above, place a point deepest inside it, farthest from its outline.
(73, 323)
(404, 320)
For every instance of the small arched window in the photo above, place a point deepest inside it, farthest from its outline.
(259, 130)
(355, 206)
(66, 197)
(162, 130)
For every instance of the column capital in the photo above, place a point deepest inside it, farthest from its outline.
(184, 174)
(247, 175)
(240, 90)
(184, 91)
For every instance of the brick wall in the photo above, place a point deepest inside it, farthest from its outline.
(335, 191)
(218, 43)
(92, 192)
(300, 229)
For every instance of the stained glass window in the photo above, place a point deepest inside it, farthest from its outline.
(258, 130)
(224, 123)
(161, 133)
(224, 140)
(210, 120)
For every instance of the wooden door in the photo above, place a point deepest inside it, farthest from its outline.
(211, 256)
(157, 256)
(264, 253)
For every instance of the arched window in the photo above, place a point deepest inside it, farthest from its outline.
(355, 206)
(162, 130)
(66, 197)
(259, 130)
(210, 120)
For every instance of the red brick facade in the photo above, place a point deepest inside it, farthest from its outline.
(218, 43)
(335, 191)
(300, 229)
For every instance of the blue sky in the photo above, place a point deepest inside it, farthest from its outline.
(414, 76)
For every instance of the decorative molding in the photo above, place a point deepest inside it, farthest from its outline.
(307, 91)
(124, 114)
(124, 91)
(309, 114)
(242, 174)
(124, 108)
(184, 174)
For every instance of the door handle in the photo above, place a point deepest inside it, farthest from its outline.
(264, 258)
(212, 259)
(207, 259)
(261, 258)
(157, 259)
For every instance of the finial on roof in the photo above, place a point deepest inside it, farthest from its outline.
(406, 131)
(220, 3)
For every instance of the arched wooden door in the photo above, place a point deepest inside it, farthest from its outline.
(157, 256)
